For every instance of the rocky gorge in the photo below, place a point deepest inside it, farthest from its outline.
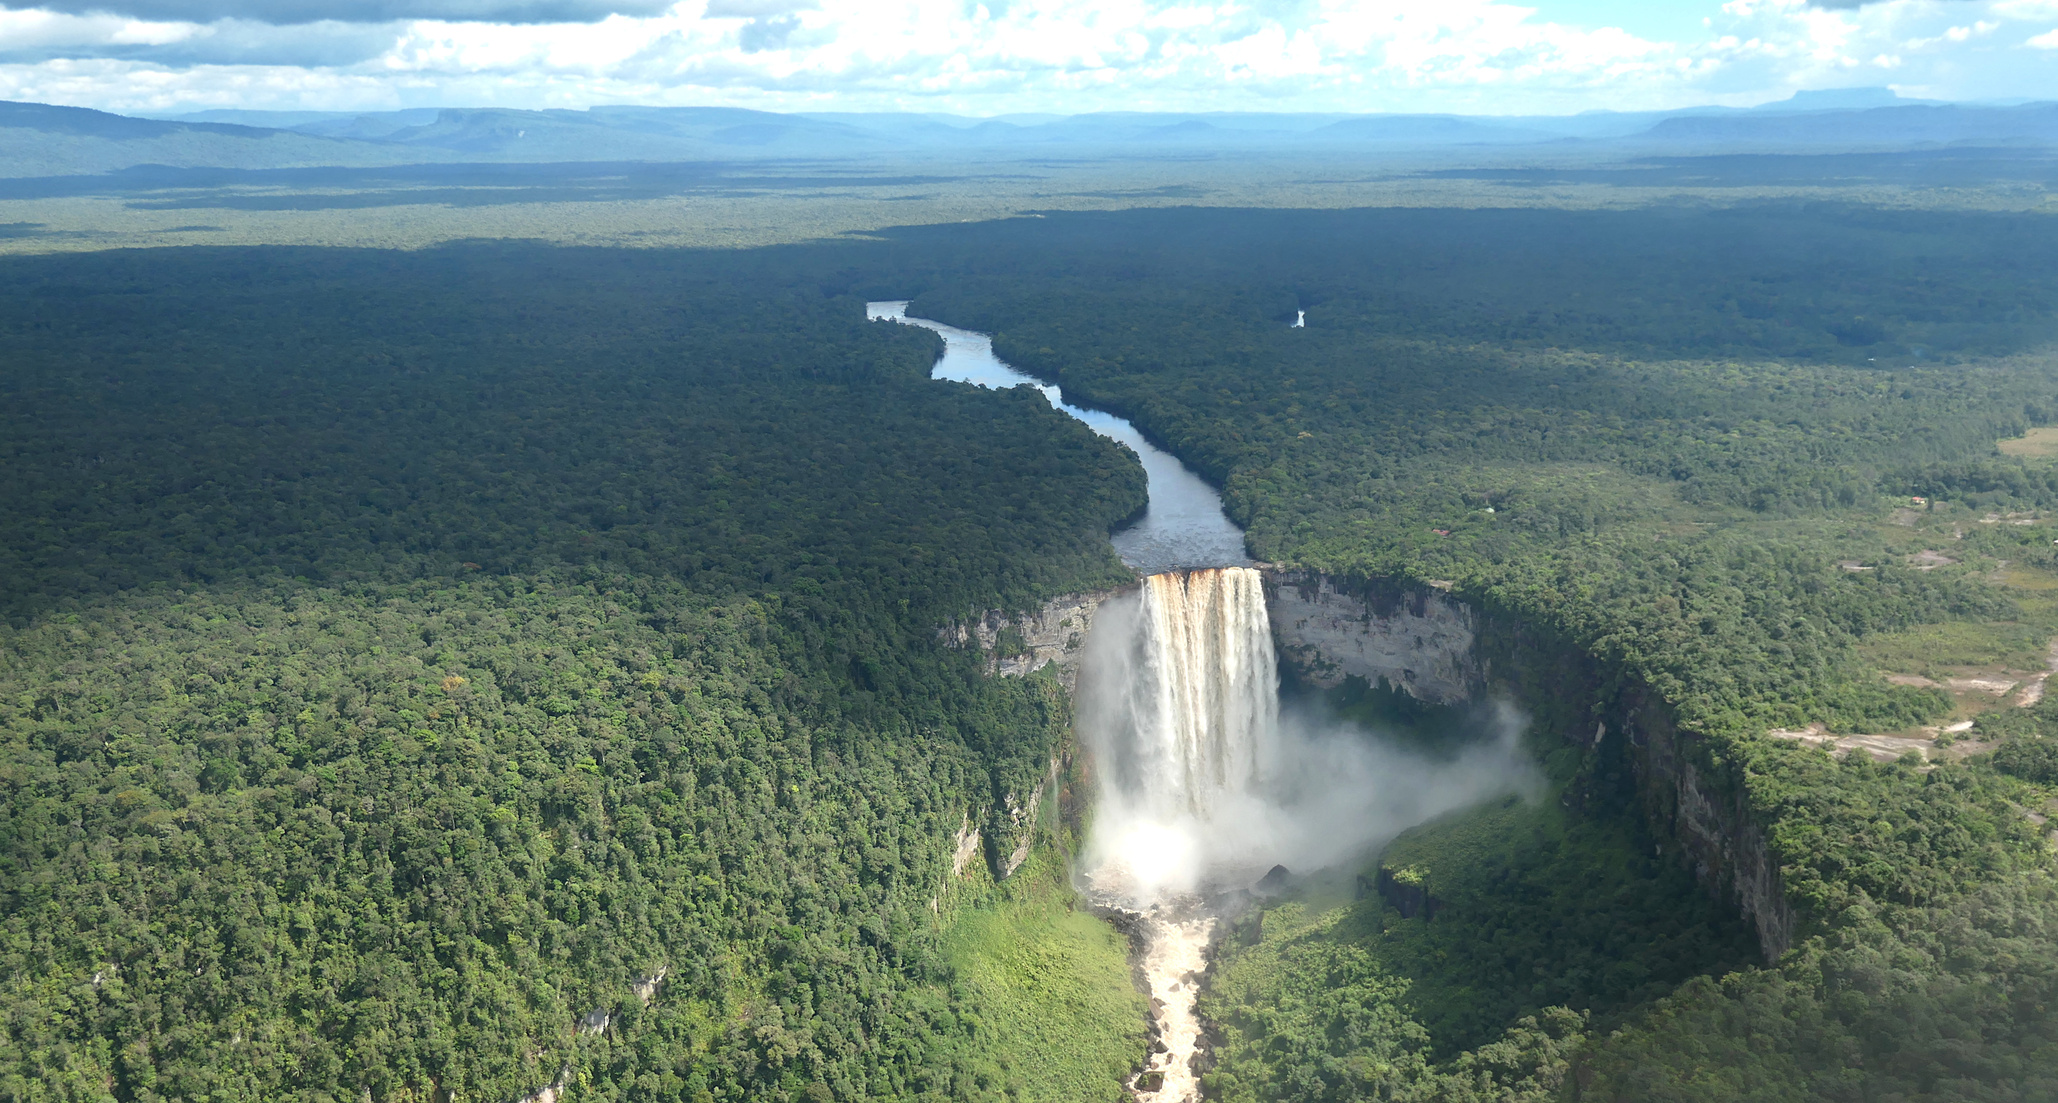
(1443, 650)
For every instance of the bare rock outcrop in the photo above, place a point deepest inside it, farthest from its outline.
(1420, 640)
(1020, 644)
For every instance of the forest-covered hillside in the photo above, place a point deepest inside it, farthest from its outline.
(1745, 460)
(442, 675)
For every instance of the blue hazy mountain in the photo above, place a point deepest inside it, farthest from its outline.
(46, 140)
(1900, 126)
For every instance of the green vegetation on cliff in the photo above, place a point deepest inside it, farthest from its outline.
(1734, 459)
(407, 656)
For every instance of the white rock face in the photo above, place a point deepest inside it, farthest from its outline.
(964, 848)
(1423, 644)
(1052, 634)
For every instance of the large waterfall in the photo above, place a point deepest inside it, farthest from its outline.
(1180, 708)
(1203, 786)
(1180, 703)
(1202, 706)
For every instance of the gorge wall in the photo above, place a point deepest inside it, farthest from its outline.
(1420, 640)
(1018, 644)
(1442, 650)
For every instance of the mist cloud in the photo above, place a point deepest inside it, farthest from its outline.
(1335, 795)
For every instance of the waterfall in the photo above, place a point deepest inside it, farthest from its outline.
(1204, 709)
(1203, 789)
(1180, 705)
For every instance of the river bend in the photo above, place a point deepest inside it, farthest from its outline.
(1182, 527)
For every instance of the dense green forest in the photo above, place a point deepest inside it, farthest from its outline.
(407, 657)
(438, 675)
(1704, 447)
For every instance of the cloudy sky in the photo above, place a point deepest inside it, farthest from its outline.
(1002, 56)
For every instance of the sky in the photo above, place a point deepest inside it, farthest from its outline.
(989, 57)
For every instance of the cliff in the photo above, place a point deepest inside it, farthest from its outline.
(1441, 649)
(1015, 646)
(1022, 643)
(1420, 640)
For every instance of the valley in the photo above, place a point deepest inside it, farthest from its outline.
(652, 674)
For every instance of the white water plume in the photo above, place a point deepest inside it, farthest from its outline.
(1203, 690)
(1204, 784)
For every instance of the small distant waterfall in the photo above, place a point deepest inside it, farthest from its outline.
(1203, 705)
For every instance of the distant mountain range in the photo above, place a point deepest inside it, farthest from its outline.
(44, 140)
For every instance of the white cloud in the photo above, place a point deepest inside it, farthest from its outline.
(1017, 55)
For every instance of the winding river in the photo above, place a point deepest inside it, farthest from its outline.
(1183, 528)
(1184, 525)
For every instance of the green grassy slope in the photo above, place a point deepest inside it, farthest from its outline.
(1059, 1016)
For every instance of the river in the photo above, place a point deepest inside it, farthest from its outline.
(1183, 528)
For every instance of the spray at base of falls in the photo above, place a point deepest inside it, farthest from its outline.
(1205, 785)
(1209, 704)
(1183, 688)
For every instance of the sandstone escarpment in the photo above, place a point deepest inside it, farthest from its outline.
(1440, 649)
(1022, 643)
(1015, 646)
(1420, 640)
(1707, 819)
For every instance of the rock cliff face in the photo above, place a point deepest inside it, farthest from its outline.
(1024, 643)
(1440, 649)
(1022, 818)
(1017, 646)
(1422, 640)
(1711, 824)
(964, 847)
